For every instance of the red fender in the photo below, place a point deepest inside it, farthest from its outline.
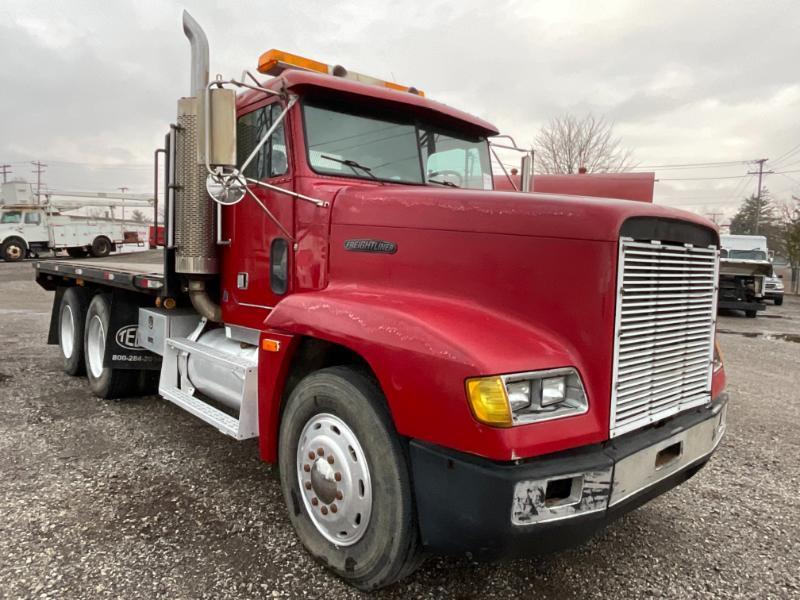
(422, 348)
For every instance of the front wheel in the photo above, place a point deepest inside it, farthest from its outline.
(779, 301)
(345, 479)
(750, 314)
(13, 249)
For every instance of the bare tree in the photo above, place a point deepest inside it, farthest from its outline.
(139, 217)
(791, 239)
(567, 143)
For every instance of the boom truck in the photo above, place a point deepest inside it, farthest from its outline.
(30, 226)
(341, 281)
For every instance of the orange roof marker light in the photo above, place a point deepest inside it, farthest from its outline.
(275, 62)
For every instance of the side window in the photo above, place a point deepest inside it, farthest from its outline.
(271, 159)
(33, 218)
(279, 164)
(11, 216)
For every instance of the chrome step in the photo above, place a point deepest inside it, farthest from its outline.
(211, 415)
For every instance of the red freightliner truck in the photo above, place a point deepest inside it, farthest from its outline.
(435, 366)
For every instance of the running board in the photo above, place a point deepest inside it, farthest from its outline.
(204, 411)
(174, 385)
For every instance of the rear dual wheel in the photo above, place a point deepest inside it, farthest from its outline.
(104, 382)
(345, 479)
(101, 246)
(71, 317)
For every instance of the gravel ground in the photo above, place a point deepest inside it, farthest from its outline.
(137, 499)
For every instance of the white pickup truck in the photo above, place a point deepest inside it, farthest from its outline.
(28, 230)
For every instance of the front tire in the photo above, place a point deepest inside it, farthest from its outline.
(750, 314)
(345, 479)
(104, 382)
(71, 318)
(779, 301)
(13, 249)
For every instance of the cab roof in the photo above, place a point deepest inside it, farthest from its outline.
(296, 79)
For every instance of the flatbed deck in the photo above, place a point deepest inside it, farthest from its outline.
(139, 271)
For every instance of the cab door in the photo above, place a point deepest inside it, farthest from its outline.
(36, 227)
(255, 259)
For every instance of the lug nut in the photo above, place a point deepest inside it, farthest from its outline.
(338, 476)
(308, 485)
(314, 501)
(311, 456)
(320, 452)
(339, 495)
(330, 460)
(307, 468)
(324, 510)
(333, 508)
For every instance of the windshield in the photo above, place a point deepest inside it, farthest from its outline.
(747, 254)
(393, 148)
(11, 216)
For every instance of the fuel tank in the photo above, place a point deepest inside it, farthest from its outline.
(218, 381)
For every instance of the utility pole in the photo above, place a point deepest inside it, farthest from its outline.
(761, 172)
(38, 170)
(714, 216)
(6, 169)
(123, 189)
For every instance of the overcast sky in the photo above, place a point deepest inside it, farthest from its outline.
(90, 87)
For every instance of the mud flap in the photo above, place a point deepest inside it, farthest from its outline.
(52, 334)
(121, 349)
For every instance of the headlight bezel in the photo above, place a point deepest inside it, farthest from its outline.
(574, 403)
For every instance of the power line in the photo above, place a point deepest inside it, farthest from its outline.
(786, 155)
(698, 178)
(702, 165)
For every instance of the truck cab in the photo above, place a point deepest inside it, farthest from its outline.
(22, 228)
(745, 267)
(433, 364)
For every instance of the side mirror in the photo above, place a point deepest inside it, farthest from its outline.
(225, 189)
(780, 276)
(217, 128)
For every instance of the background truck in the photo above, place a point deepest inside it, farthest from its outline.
(29, 226)
(341, 281)
(744, 267)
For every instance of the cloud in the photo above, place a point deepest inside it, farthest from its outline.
(95, 83)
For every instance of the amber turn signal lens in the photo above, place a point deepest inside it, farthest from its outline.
(489, 402)
(268, 345)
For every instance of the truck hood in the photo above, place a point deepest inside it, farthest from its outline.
(538, 215)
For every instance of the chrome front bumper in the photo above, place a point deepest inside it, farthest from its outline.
(576, 494)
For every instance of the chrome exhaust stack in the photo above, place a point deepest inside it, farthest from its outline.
(195, 246)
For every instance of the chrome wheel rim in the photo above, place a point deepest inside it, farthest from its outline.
(14, 252)
(96, 346)
(67, 331)
(334, 479)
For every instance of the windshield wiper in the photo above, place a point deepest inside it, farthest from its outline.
(352, 164)
(441, 182)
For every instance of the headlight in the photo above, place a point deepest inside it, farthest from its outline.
(507, 400)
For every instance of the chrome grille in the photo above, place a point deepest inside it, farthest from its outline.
(664, 332)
